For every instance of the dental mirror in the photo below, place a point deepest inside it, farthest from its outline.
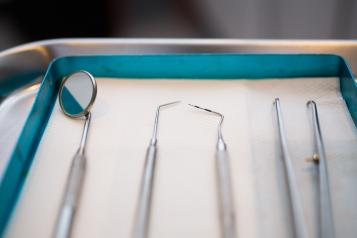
(77, 94)
(76, 97)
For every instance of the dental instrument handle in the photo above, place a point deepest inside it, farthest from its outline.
(71, 196)
(326, 216)
(145, 196)
(300, 229)
(73, 187)
(227, 217)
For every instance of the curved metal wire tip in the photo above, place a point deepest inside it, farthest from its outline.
(154, 135)
(214, 112)
(207, 110)
(311, 102)
(167, 104)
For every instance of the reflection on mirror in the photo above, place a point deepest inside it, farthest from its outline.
(76, 96)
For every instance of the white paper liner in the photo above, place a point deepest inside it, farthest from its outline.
(185, 199)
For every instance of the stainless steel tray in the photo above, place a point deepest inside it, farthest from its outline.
(29, 62)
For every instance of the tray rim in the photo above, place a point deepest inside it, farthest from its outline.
(21, 159)
(27, 63)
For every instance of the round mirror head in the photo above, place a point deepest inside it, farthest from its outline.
(77, 94)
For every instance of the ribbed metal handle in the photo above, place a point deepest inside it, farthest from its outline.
(227, 214)
(70, 198)
(144, 202)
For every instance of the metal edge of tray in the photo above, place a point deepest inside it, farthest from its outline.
(35, 57)
(22, 67)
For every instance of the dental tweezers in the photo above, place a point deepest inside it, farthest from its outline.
(319, 157)
(294, 193)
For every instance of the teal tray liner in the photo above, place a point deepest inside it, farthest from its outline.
(175, 66)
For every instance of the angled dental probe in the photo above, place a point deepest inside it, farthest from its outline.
(141, 226)
(319, 157)
(227, 214)
(294, 193)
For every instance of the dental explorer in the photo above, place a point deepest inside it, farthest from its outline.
(141, 226)
(227, 214)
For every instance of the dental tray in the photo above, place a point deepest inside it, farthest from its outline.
(242, 87)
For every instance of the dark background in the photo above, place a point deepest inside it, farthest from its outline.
(25, 21)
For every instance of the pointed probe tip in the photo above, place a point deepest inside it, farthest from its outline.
(192, 105)
(276, 102)
(167, 104)
(310, 102)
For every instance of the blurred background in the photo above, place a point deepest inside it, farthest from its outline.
(25, 21)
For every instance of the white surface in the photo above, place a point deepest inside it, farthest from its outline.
(184, 203)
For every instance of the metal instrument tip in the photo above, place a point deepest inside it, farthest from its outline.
(170, 103)
(311, 102)
(154, 136)
(214, 112)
